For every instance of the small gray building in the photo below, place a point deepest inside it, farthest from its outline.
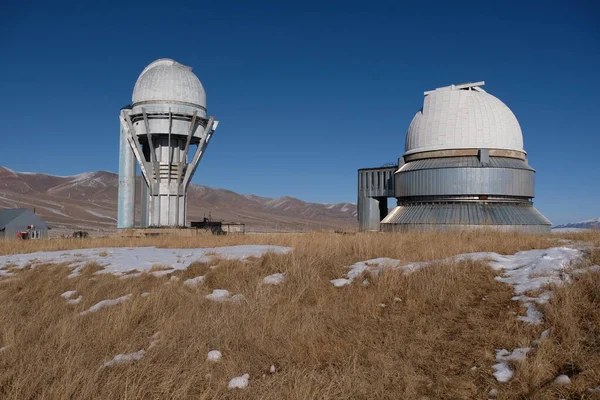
(22, 223)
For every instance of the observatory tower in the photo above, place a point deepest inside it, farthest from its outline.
(464, 167)
(165, 132)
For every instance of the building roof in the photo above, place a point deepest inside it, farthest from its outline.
(10, 214)
(466, 214)
(463, 117)
(167, 80)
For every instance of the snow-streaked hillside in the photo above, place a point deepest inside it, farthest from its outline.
(89, 201)
(587, 224)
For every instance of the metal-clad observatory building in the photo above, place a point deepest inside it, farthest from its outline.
(464, 167)
(166, 131)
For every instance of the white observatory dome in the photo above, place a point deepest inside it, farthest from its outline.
(167, 80)
(463, 117)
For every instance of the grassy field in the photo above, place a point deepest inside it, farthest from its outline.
(431, 334)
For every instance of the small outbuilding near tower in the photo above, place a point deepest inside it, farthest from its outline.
(22, 223)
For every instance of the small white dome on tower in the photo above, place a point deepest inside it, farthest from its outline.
(167, 80)
(463, 117)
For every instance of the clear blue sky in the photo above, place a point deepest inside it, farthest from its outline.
(306, 92)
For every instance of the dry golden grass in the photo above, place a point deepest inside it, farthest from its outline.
(435, 338)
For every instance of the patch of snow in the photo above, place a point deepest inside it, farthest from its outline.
(340, 282)
(526, 271)
(105, 303)
(75, 301)
(154, 340)
(214, 355)
(68, 294)
(493, 393)
(125, 358)
(532, 316)
(218, 295)
(125, 259)
(545, 334)
(145, 294)
(275, 279)
(193, 281)
(502, 371)
(562, 380)
(2, 349)
(272, 369)
(240, 382)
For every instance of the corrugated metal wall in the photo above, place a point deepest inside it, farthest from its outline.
(467, 176)
(465, 214)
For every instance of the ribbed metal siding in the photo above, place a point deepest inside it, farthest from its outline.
(466, 214)
(465, 162)
(465, 181)
(376, 182)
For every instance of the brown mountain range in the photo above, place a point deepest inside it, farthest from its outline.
(88, 201)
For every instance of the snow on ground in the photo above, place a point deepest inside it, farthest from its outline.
(214, 355)
(68, 294)
(218, 295)
(194, 281)
(222, 296)
(502, 371)
(240, 382)
(119, 260)
(275, 279)
(74, 301)
(525, 271)
(125, 358)
(105, 303)
(5, 348)
(528, 272)
(5, 273)
(154, 341)
(562, 380)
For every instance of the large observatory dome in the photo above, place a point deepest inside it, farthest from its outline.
(167, 80)
(463, 117)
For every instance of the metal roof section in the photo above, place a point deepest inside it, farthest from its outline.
(167, 80)
(466, 214)
(9, 214)
(463, 117)
(465, 162)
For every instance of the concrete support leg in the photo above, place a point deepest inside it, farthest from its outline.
(144, 204)
(126, 196)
